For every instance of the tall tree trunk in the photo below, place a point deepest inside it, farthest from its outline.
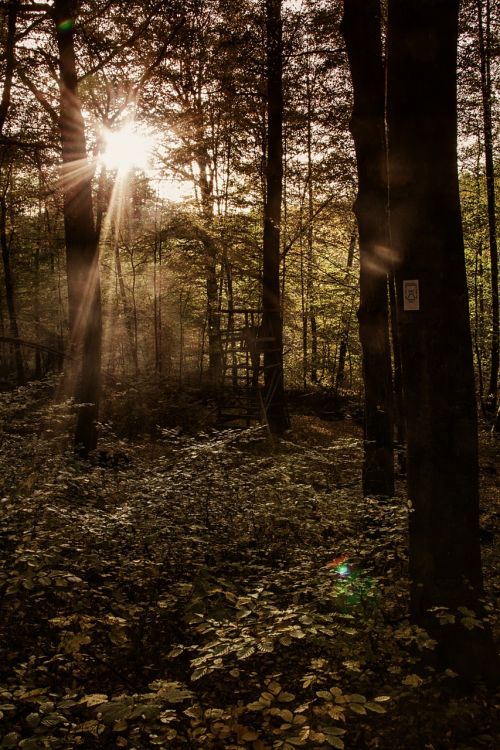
(272, 323)
(127, 312)
(135, 317)
(310, 302)
(36, 304)
(3, 344)
(484, 51)
(10, 62)
(82, 251)
(399, 417)
(478, 319)
(361, 28)
(346, 320)
(182, 311)
(211, 257)
(213, 315)
(230, 318)
(436, 351)
(9, 292)
(303, 308)
(157, 291)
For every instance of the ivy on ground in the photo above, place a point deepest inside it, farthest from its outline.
(211, 591)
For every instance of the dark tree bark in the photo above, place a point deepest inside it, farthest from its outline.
(211, 255)
(310, 302)
(36, 305)
(10, 62)
(484, 51)
(272, 323)
(127, 312)
(9, 292)
(157, 301)
(478, 319)
(82, 252)
(399, 417)
(346, 320)
(362, 33)
(436, 352)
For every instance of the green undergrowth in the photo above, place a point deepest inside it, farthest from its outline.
(209, 591)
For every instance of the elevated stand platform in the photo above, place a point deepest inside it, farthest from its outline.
(243, 398)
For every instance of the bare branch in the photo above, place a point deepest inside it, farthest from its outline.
(39, 96)
(31, 345)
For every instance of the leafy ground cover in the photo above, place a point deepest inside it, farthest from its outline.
(215, 590)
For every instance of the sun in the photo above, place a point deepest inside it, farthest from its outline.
(132, 147)
(128, 148)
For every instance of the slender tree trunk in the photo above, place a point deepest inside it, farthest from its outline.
(284, 220)
(211, 256)
(157, 302)
(213, 320)
(36, 303)
(399, 417)
(3, 347)
(361, 28)
(155, 309)
(272, 323)
(310, 302)
(436, 351)
(314, 347)
(182, 309)
(135, 322)
(82, 251)
(160, 309)
(346, 321)
(478, 322)
(127, 313)
(10, 62)
(230, 318)
(303, 306)
(484, 50)
(9, 292)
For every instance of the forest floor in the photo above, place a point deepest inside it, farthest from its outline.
(216, 590)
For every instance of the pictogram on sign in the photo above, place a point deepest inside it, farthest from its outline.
(411, 295)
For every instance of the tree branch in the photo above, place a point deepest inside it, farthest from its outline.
(305, 226)
(32, 345)
(41, 99)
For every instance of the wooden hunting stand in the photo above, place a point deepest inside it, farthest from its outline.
(243, 397)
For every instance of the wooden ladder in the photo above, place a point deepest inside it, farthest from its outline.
(241, 397)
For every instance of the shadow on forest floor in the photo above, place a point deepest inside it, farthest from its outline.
(215, 591)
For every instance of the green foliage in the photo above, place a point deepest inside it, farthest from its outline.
(212, 591)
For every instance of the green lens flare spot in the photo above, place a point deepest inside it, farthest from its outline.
(66, 25)
(343, 570)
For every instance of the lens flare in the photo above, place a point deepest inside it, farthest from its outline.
(343, 570)
(336, 563)
(66, 25)
(352, 586)
(128, 148)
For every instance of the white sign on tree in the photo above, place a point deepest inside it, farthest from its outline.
(411, 295)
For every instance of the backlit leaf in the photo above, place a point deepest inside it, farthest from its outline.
(357, 708)
(335, 742)
(95, 699)
(413, 680)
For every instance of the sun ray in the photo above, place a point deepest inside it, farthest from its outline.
(128, 148)
(73, 173)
